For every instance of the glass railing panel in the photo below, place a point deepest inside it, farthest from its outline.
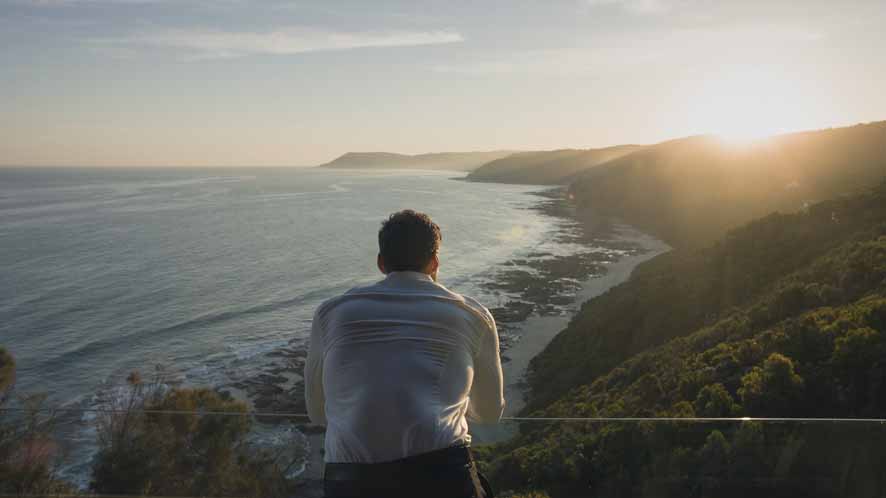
(701, 457)
(172, 450)
(224, 450)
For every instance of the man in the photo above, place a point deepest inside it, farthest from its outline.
(395, 368)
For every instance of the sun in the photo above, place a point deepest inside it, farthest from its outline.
(747, 103)
(744, 135)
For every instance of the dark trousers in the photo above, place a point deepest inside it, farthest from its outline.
(446, 473)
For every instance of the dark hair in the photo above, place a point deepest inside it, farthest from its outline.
(408, 240)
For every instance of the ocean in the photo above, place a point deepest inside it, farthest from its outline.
(202, 271)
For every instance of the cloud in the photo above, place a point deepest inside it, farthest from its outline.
(645, 7)
(569, 61)
(212, 43)
(63, 3)
(641, 52)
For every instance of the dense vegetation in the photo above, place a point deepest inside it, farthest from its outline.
(161, 445)
(683, 290)
(783, 317)
(691, 191)
(547, 167)
(164, 442)
(7, 372)
(28, 453)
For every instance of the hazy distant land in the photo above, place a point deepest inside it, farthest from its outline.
(688, 191)
(554, 167)
(454, 161)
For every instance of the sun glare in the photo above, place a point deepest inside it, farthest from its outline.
(748, 103)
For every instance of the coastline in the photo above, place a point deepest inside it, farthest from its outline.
(537, 330)
(539, 294)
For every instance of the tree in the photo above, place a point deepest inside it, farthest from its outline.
(749, 452)
(162, 445)
(859, 363)
(714, 401)
(7, 373)
(713, 458)
(28, 453)
(773, 389)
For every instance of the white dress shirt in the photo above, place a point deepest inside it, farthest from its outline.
(394, 369)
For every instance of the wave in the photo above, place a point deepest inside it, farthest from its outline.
(152, 336)
(334, 188)
(121, 197)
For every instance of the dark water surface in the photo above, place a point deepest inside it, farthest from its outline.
(108, 270)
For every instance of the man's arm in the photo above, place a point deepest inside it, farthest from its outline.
(487, 391)
(315, 400)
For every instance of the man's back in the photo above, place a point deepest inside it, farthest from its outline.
(395, 368)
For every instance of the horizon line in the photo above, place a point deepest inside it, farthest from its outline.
(505, 149)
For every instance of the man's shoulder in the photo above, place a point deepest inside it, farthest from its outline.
(435, 291)
(475, 307)
(332, 302)
(480, 309)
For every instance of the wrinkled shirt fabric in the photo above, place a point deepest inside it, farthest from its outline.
(396, 369)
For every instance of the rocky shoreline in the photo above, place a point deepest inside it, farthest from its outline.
(541, 283)
(532, 296)
(547, 284)
(538, 293)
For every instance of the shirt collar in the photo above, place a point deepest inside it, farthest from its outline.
(409, 275)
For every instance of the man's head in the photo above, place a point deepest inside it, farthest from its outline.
(409, 241)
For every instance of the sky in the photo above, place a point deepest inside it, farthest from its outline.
(275, 82)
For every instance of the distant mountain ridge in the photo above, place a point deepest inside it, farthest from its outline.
(691, 191)
(554, 167)
(688, 191)
(456, 161)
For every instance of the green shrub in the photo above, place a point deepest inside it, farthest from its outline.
(161, 445)
(28, 452)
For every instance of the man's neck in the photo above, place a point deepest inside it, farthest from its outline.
(412, 275)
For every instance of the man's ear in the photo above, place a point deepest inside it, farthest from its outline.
(433, 267)
(380, 261)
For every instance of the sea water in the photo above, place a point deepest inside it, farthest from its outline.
(105, 271)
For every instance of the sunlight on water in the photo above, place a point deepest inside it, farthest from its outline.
(515, 233)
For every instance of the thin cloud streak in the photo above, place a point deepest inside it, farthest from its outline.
(202, 43)
(641, 52)
(645, 7)
(68, 3)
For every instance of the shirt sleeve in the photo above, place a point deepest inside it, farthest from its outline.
(487, 391)
(315, 399)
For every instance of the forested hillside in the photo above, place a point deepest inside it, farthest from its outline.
(691, 191)
(683, 290)
(785, 316)
(553, 167)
